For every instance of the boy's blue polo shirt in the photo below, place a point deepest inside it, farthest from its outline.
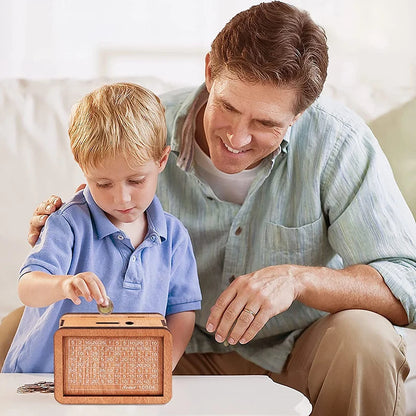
(160, 275)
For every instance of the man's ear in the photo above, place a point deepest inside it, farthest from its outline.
(296, 117)
(208, 77)
(164, 159)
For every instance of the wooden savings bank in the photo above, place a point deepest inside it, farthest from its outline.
(114, 359)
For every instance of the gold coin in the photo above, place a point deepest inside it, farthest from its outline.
(106, 310)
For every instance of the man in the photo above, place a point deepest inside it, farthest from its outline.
(305, 247)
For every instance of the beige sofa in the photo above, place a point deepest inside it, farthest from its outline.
(36, 162)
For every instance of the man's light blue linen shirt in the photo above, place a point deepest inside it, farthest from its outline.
(326, 198)
(158, 276)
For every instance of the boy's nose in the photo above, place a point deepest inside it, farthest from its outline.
(122, 195)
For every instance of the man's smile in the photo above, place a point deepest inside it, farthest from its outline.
(235, 151)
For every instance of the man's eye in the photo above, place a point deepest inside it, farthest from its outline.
(103, 185)
(227, 107)
(267, 124)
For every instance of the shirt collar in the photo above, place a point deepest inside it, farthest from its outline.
(103, 225)
(156, 221)
(184, 135)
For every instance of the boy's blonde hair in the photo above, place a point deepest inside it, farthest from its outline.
(116, 119)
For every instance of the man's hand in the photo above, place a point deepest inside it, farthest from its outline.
(41, 214)
(250, 301)
(39, 217)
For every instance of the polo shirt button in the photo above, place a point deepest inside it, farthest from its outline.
(120, 237)
(133, 258)
(238, 231)
(153, 238)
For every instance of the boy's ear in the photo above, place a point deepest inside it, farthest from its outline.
(164, 159)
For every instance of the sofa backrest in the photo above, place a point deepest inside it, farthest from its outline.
(396, 132)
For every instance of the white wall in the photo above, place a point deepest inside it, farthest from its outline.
(372, 52)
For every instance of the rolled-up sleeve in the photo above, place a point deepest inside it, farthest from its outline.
(370, 223)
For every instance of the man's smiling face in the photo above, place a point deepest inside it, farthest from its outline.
(244, 122)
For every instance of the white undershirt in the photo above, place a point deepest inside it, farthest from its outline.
(231, 187)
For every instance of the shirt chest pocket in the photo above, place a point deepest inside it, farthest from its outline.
(305, 245)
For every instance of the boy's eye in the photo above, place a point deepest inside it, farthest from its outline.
(103, 185)
(136, 181)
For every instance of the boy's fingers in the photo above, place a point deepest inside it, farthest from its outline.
(75, 299)
(95, 287)
(97, 294)
(81, 286)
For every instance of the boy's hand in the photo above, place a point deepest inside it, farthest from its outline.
(87, 285)
(39, 217)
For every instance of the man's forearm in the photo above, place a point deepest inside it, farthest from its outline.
(355, 287)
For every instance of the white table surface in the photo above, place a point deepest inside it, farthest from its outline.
(191, 395)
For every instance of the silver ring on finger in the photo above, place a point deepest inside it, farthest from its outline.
(250, 311)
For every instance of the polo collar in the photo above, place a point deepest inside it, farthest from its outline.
(156, 221)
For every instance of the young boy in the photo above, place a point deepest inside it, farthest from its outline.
(113, 239)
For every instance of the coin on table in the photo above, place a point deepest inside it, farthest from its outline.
(106, 310)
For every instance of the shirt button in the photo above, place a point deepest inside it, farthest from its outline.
(153, 238)
(120, 237)
(238, 231)
(133, 258)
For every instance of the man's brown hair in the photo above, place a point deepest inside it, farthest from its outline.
(274, 42)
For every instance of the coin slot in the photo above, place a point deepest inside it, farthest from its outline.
(129, 323)
(108, 323)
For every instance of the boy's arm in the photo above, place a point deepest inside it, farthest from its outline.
(40, 289)
(181, 326)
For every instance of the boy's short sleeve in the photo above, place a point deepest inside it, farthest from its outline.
(52, 253)
(184, 290)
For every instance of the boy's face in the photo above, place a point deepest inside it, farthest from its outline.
(124, 190)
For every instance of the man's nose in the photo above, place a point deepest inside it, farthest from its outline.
(239, 137)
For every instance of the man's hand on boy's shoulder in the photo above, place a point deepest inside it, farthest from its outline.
(40, 215)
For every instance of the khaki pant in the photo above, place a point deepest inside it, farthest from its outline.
(349, 363)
